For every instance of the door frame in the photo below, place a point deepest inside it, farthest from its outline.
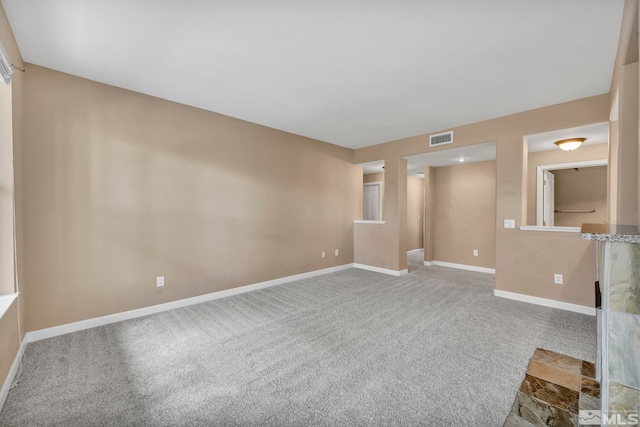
(548, 198)
(540, 181)
(379, 185)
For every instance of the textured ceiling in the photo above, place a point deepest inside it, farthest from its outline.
(353, 73)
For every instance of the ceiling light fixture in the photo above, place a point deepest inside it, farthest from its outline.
(461, 159)
(570, 144)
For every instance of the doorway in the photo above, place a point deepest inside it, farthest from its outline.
(570, 194)
(372, 201)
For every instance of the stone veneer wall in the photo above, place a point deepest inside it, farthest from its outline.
(620, 280)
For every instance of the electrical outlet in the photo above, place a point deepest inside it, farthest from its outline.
(160, 281)
(323, 254)
(337, 252)
(509, 223)
(557, 279)
(475, 252)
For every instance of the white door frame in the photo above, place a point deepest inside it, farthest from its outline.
(540, 181)
(379, 184)
(548, 201)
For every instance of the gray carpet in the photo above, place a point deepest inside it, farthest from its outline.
(432, 348)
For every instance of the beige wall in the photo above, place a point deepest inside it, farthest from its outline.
(385, 245)
(624, 179)
(415, 205)
(12, 322)
(415, 211)
(123, 187)
(627, 147)
(465, 214)
(582, 189)
(9, 339)
(429, 213)
(612, 173)
(7, 259)
(525, 260)
(555, 157)
(373, 177)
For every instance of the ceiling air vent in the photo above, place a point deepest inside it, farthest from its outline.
(441, 139)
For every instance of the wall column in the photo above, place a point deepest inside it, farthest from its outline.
(395, 208)
(429, 196)
(509, 176)
(627, 148)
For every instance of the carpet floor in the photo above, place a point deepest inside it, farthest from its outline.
(432, 348)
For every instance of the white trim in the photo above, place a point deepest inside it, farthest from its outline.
(464, 267)
(4, 391)
(145, 311)
(415, 251)
(545, 228)
(365, 221)
(6, 301)
(614, 111)
(379, 185)
(428, 263)
(381, 270)
(583, 309)
(539, 180)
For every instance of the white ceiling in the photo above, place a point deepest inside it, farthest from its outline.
(372, 167)
(461, 155)
(353, 73)
(595, 134)
(453, 156)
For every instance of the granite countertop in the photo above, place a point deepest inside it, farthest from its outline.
(611, 233)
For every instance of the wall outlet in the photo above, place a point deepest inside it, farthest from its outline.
(337, 252)
(323, 254)
(557, 279)
(160, 281)
(475, 252)
(509, 223)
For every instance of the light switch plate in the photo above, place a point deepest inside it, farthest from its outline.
(509, 223)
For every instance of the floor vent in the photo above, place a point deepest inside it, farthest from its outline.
(441, 139)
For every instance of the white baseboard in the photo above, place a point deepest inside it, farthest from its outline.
(4, 391)
(415, 251)
(464, 267)
(145, 311)
(591, 311)
(381, 270)
(428, 263)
